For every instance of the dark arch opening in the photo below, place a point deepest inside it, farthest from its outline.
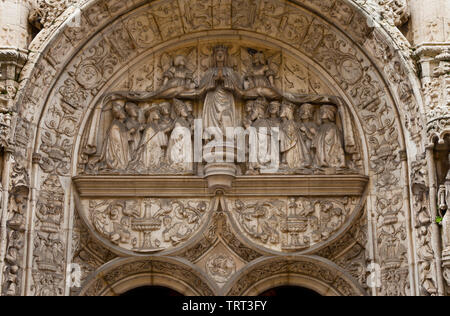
(153, 291)
(288, 290)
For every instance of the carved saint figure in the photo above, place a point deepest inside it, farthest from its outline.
(116, 151)
(273, 113)
(260, 155)
(308, 131)
(154, 141)
(133, 125)
(328, 143)
(180, 150)
(294, 153)
(219, 82)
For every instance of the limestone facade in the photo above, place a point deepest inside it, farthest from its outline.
(118, 170)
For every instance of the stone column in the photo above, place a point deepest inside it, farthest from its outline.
(430, 26)
(15, 35)
(444, 205)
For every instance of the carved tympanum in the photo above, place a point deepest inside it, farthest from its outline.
(145, 225)
(152, 132)
(291, 224)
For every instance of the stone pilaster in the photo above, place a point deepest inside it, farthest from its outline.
(14, 39)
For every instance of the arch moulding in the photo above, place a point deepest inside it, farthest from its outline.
(348, 59)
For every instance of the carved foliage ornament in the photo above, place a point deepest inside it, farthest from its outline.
(146, 225)
(374, 109)
(291, 224)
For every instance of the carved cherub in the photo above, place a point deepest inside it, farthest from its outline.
(260, 72)
(178, 74)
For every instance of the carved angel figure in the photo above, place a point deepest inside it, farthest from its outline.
(179, 75)
(329, 142)
(259, 73)
(180, 150)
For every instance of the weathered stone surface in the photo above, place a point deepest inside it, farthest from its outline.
(324, 178)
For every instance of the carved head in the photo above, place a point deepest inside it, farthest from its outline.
(248, 108)
(165, 108)
(180, 108)
(328, 112)
(259, 59)
(259, 108)
(189, 107)
(306, 112)
(287, 110)
(118, 111)
(274, 108)
(132, 109)
(220, 55)
(20, 195)
(152, 115)
(179, 60)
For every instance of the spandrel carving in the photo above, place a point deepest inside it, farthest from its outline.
(145, 225)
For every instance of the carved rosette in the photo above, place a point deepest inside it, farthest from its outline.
(144, 226)
(220, 267)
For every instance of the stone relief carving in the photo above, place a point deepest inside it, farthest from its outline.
(379, 151)
(293, 224)
(220, 267)
(12, 274)
(154, 139)
(45, 12)
(13, 268)
(425, 251)
(147, 225)
(282, 266)
(444, 202)
(86, 252)
(49, 246)
(128, 123)
(175, 270)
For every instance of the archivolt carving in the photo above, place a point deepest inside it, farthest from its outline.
(338, 57)
(319, 270)
(109, 275)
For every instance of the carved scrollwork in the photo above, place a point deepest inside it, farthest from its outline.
(291, 224)
(146, 225)
(220, 267)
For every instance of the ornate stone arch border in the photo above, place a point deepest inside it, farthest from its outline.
(54, 47)
(315, 273)
(121, 275)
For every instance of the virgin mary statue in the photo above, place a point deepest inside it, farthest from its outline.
(220, 83)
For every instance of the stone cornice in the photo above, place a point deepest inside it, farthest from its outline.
(163, 186)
